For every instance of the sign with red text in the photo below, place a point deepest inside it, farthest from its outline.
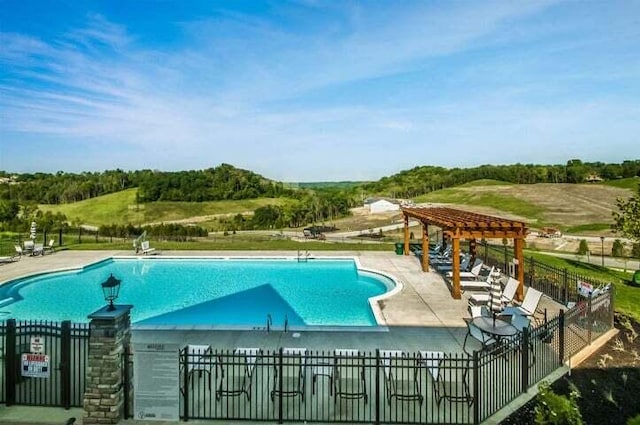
(35, 365)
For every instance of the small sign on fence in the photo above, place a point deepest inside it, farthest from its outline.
(37, 344)
(585, 288)
(35, 365)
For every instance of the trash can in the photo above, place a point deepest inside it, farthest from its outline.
(399, 248)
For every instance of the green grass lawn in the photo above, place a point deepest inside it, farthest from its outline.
(628, 183)
(121, 208)
(592, 227)
(627, 298)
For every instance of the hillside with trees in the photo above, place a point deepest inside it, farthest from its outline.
(424, 179)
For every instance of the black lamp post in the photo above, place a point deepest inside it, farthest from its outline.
(602, 250)
(111, 289)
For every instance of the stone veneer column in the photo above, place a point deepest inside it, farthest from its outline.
(104, 393)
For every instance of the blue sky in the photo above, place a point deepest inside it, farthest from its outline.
(312, 90)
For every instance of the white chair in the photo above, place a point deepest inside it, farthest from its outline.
(349, 375)
(200, 360)
(49, 248)
(237, 372)
(292, 381)
(474, 273)
(401, 376)
(529, 304)
(508, 294)
(146, 249)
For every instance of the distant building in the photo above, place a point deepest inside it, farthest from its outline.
(380, 205)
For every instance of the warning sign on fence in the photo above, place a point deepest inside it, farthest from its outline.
(37, 344)
(35, 365)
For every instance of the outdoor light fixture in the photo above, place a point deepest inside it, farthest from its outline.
(602, 250)
(110, 289)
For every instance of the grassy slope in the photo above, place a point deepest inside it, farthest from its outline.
(629, 183)
(120, 208)
(501, 202)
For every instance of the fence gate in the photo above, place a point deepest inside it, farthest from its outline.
(43, 363)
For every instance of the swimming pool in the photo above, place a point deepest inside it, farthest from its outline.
(223, 292)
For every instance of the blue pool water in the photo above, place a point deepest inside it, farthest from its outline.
(205, 292)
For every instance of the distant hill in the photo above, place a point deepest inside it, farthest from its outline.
(560, 205)
(121, 208)
(425, 179)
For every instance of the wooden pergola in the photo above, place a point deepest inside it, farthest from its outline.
(458, 224)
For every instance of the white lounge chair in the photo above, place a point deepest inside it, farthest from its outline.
(237, 372)
(11, 258)
(292, 381)
(450, 376)
(144, 247)
(348, 375)
(401, 376)
(508, 294)
(49, 248)
(200, 360)
(474, 273)
(529, 304)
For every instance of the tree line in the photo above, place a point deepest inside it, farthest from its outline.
(213, 184)
(425, 179)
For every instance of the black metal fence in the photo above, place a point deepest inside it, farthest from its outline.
(383, 386)
(559, 284)
(61, 381)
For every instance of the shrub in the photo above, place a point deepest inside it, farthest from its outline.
(583, 248)
(617, 250)
(557, 409)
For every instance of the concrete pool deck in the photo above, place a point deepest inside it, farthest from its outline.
(422, 315)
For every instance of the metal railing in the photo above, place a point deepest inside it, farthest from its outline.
(382, 386)
(560, 284)
(66, 346)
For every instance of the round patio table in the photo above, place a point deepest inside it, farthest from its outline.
(497, 328)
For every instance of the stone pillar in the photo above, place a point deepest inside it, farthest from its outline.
(104, 393)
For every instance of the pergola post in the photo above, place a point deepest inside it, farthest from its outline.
(518, 246)
(455, 255)
(425, 247)
(406, 234)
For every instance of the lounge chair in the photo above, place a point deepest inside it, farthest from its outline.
(448, 266)
(200, 360)
(474, 273)
(50, 248)
(290, 375)
(483, 284)
(145, 249)
(508, 294)
(10, 259)
(450, 377)
(349, 375)
(401, 376)
(529, 304)
(236, 372)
